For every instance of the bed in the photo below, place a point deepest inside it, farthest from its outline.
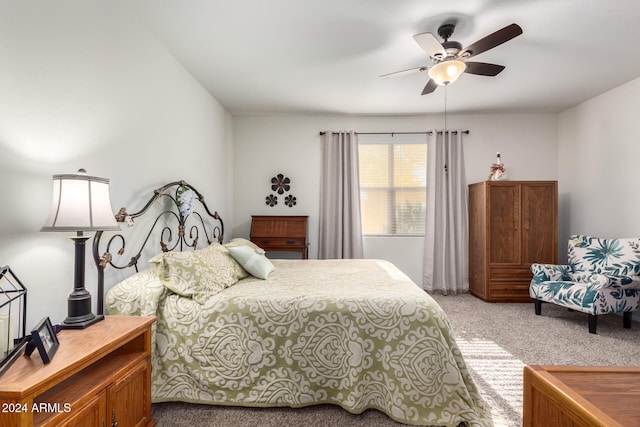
(354, 333)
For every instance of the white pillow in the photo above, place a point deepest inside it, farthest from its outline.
(239, 241)
(252, 260)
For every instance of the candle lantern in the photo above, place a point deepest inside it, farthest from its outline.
(13, 316)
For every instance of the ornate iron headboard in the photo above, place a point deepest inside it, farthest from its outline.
(180, 217)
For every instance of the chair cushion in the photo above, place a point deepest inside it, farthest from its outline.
(588, 278)
(572, 295)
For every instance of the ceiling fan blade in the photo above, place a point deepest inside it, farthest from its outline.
(483, 68)
(404, 72)
(430, 87)
(492, 40)
(430, 44)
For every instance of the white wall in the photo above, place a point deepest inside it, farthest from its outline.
(289, 144)
(598, 150)
(82, 84)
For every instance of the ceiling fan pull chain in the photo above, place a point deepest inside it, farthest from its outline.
(445, 110)
(444, 134)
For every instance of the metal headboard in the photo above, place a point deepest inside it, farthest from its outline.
(180, 217)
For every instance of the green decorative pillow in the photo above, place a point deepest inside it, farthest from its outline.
(252, 260)
(198, 274)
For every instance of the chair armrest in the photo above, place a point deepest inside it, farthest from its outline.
(601, 281)
(623, 282)
(549, 272)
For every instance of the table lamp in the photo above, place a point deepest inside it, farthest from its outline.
(80, 203)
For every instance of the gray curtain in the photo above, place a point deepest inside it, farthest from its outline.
(340, 221)
(446, 256)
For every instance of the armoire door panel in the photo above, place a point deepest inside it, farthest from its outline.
(539, 235)
(504, 224)
(477, 240)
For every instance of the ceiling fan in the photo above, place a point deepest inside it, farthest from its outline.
(450, 59)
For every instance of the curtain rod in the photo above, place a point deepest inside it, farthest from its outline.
(466, 132)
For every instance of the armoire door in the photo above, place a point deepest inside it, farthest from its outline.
(504, 224)
(539, 238)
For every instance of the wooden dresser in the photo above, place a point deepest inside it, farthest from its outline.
(512, 224)
(99, 376)
(581, 396)
(280, 233)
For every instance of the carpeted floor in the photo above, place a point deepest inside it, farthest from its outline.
(497, 340)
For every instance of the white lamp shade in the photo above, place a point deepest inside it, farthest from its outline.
(446, 72)
(80, 203)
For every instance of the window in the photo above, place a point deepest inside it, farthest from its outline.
(393, 180)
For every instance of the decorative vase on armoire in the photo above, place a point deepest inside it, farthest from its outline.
(512, 224)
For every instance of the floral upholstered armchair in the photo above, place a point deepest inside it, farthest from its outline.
(603, 276)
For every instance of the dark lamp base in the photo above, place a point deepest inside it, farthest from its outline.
(81, 322)
(79, 315)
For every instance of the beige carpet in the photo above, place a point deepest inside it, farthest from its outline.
(497, 340)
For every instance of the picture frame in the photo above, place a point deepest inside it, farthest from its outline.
(44, 338)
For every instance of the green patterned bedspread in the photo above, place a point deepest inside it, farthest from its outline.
(355, 333)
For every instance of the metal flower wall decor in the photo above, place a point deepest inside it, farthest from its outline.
(280, 184)
(272, 200)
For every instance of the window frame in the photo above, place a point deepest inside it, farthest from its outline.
(390, 140)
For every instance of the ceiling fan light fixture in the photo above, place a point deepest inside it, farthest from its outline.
(447, 72)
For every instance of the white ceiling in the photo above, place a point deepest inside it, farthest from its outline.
(325, 56)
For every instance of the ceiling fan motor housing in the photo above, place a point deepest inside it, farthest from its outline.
(446, 30)
(452, 48)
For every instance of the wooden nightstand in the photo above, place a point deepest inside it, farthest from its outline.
(100, 376)
(280, 233)
(581, 396)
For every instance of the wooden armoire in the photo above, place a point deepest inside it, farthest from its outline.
(512, 224)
